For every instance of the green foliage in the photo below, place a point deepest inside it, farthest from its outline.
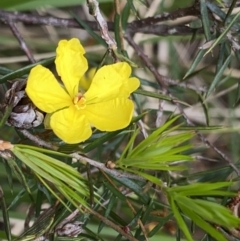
(62, 177)
(157, 151)
(200, 211)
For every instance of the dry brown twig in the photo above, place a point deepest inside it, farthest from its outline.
(103, 27)
(140, 26)
(112, 172)
(37, 140)
(21, 41)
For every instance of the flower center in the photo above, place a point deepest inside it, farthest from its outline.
(79, 101)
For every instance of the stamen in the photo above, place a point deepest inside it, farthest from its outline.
(79, 101)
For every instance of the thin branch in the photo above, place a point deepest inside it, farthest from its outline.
(160, 110)
(166, 30)
(42, 20)
(160, 30)
(20, 39)
(103, 27)
(184, 85)
(37, 140)
(102, 166)
(147, 22)
(112, 225)
(142, 128)
(208, 143)
(160, 78)
(69, 218)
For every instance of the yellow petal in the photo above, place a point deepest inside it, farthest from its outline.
(45, 91)
(111, 115)
(71, 64)
(111, 81)
(70, 125)
(130, 84)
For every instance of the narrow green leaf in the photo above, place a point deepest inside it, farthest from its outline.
(195, 62)
(220, 214)
(134, 186)
(192, 205)
(5, 116)
(160, 224)
(135, 220)
(224, 33)
(159, 156)
(171, 151)
(41, 150)
(201, 223)
(233, 4)
(159, 160)
(5, 216)
(36, 168)
(4, 70)
(25, 70)
(147, 211)
(174, 140)
(140, 147)
(216, 9)
(200, 128)
(44, 158)
(137, 216)
(221, 57)
(213, 176)
(205, 108)
(117, 30)
(238, 95)
(159, 167)
(21, 194)
(9, 172)
(152, 94)
(129, 144)
(219, 75)
(145, 175)
(18, 172)
(125, 14)
(210, 193)
(73, 196)
(205, 19)
(203, 187)
(53, 192)
(115, 191)
(134, 10)
(179, 219)
(58, 173)
(109, 207)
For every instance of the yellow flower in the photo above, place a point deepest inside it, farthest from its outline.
(105, 105)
